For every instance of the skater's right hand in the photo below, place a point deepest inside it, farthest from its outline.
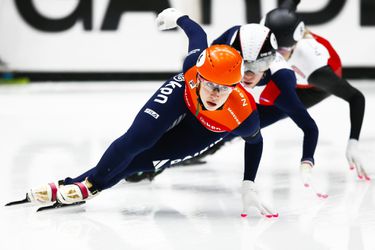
(250, 199)
(353, 155)
(167, 19)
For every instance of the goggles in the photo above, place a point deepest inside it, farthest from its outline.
(259, 65)
(213, 86)
(221, 88)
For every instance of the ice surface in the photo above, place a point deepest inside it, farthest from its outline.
(50, 131)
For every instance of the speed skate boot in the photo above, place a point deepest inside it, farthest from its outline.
(76, 192)
(44, 194)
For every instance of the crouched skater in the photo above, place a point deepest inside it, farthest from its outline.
(187, 115)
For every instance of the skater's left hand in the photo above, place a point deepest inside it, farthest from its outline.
(353, 155)
(307, 180)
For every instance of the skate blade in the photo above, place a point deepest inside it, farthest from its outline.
(60, 205)
(12, 203)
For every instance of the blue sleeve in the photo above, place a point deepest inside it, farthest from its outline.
(226, 37)
(249, 130)
(197, 40)
(289, 103)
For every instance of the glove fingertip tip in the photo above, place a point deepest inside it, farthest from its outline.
(243, 215)
(306, 185)
(323, 196)
(275, 215)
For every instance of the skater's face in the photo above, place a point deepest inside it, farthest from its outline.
(254, 70)
(251, 79)
(213, 95)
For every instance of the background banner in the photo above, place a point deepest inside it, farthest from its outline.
(116, 36)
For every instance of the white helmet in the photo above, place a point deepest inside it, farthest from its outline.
(257, 45)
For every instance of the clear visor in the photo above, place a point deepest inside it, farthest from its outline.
(220, 88)
(259, 65)
(214, 86)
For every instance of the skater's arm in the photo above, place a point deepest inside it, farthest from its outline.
(197, 40)
(290, 104)
(249, 130)
(227, 36)
(324, 78)
(171, 18)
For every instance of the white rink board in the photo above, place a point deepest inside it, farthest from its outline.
(137, 46)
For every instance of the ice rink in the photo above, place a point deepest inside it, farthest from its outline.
(50, 131)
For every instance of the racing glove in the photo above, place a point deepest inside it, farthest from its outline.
(167, 19)
(250, 199)
(353, 155)
(307, 180)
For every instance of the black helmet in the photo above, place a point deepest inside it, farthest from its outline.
(286, 26)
